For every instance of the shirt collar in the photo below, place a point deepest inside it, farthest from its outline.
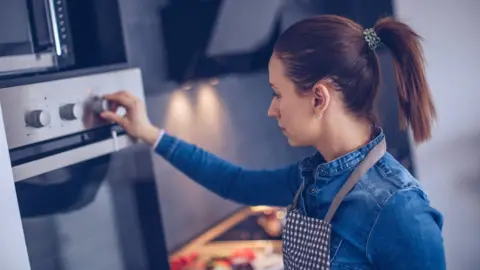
(316, 164)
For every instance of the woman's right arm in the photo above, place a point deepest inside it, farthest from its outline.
(251, 187)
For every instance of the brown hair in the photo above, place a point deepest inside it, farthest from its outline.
(334, 47)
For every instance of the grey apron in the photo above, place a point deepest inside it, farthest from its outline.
(306, 240)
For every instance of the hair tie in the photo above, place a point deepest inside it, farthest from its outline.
(371, 38)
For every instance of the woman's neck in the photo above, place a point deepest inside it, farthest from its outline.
(342, 138)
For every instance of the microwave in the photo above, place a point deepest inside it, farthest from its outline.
(35, 36)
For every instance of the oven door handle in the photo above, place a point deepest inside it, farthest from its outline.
(44, 165)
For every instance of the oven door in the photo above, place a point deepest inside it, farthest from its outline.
(34, 36)
(85, 205)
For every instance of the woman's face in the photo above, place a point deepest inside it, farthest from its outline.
(296, 113)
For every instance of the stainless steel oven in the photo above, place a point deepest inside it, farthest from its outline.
(85, 192)
(34, 36)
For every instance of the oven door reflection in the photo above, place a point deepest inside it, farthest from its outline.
(91, 215)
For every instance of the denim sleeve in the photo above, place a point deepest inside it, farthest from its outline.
(407, 234)
(249, 187)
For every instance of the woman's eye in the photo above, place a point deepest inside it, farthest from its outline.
(275, 95)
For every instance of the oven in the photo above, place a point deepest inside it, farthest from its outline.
(82, 191)
(34, 36)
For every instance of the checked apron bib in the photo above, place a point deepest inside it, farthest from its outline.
(306, 240)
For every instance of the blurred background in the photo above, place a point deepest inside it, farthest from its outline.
(204, 78)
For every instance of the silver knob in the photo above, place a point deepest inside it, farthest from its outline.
(37, 118)
(99, 105)
(70, 112)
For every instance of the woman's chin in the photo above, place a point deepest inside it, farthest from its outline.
(296, 143)
(292, 142)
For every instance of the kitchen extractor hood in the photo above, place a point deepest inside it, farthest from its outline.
(205, 39)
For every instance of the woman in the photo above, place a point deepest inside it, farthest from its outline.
(352, 206)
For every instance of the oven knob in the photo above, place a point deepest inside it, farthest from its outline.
(70, 112)
(37, 118)
(99, 105)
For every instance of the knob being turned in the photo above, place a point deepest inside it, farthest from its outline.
(99, 105)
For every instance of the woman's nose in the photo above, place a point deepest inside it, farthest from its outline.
(272, 111)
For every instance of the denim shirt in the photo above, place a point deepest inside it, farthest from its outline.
(385, 222)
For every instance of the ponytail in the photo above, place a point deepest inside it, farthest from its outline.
(414, 96)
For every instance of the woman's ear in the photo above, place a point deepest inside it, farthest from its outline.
(321, 99)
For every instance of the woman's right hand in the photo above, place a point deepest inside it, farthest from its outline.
(136, 121)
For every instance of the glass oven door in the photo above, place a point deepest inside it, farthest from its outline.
(15, 34)
(34, 36)
(84, 205)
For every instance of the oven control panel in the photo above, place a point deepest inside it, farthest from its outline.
(43, 111)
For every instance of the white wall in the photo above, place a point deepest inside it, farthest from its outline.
(449, 165)
(12, 241)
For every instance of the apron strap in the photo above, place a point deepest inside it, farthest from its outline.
(372, 157)
(295, 199)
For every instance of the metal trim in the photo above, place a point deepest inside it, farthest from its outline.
(64, 159)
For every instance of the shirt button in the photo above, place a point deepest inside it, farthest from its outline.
(313, 189)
